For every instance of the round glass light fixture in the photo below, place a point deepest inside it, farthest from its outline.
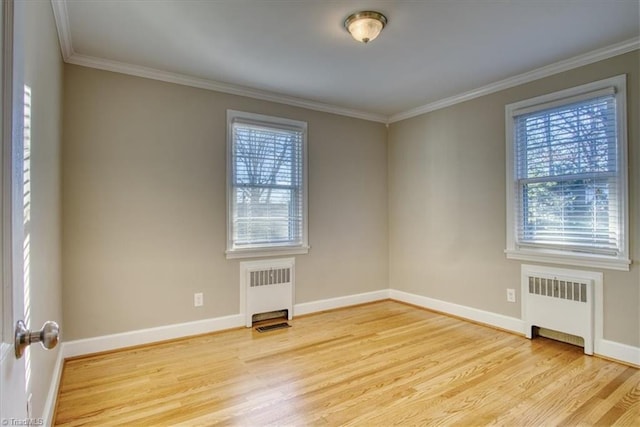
(365, 26)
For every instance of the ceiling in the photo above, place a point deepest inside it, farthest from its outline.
(297, 51)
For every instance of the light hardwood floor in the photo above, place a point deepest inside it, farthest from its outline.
(372, 365)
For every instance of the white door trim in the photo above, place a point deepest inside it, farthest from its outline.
(13, 393)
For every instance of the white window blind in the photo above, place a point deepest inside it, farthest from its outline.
(267, 183)
(566, 165)
(567, 169)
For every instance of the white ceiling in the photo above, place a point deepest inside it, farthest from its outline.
(297, 51)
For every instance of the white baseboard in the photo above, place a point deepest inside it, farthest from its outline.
(339, 302)
(50, 403)
(486, 317)
(147, 336)
(180, 330)
(609, 349)
(127, 339)
(622, 352)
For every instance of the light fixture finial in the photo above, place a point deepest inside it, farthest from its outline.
(365, 26)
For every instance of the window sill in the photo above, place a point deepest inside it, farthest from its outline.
(266, 252)
(566, 258)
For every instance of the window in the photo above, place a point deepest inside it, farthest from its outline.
(267, 185)
(567, 177)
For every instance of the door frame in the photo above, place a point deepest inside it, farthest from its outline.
(13, 398)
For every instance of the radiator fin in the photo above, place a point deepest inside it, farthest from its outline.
(270, 276)
(555, 288)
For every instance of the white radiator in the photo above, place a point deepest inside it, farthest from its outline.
(267, 286)
(560, 300)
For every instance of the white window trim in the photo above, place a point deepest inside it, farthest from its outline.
(235, 253)
(513, 251)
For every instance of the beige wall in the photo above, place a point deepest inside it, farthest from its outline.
(144, 203)
(43, 73)
(447, 202)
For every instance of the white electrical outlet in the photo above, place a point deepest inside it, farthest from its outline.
(511, 295)
(198, 299)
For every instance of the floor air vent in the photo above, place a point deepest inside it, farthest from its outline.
(559, 300)
(273, 327)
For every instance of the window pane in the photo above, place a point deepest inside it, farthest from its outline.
(567, 175)
(267, 185)
(263, 157)
(568, 140)
(572, 213)
(266, 216)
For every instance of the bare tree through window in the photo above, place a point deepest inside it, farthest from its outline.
(267, 189)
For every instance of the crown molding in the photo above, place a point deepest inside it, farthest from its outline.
(70, 56)
(182, 79)
(538, 73)
(61, 16)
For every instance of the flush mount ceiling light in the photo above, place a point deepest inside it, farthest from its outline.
(365, 26)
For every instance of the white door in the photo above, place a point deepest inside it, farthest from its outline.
(13, 399)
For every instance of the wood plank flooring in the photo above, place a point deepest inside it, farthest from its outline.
(379, 364)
